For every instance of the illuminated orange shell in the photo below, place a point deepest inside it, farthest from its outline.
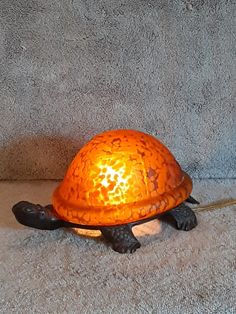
(118, 177)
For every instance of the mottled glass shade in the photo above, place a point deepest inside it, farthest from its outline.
(119, 177)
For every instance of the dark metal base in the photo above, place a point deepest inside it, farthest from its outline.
(121, 237)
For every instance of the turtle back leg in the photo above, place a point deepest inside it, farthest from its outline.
(121, 238)
(183, 217)
(37, 216)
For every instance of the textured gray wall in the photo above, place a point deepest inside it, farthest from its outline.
(70, 69)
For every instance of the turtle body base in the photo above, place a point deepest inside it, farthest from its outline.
(121, 237)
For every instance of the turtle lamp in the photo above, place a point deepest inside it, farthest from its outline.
(119, 179)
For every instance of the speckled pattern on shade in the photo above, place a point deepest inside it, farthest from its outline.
(74, 271)
(72, 69)
(118, 177)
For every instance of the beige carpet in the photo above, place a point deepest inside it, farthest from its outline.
(173, 272)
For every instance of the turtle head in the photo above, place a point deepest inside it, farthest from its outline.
(26, 212)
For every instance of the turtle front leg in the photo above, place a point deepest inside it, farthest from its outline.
(121, 238)
(37, 216)
(183, 216)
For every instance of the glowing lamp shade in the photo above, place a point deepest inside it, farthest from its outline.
(119, 177)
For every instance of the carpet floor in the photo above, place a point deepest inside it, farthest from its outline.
(75, 271)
